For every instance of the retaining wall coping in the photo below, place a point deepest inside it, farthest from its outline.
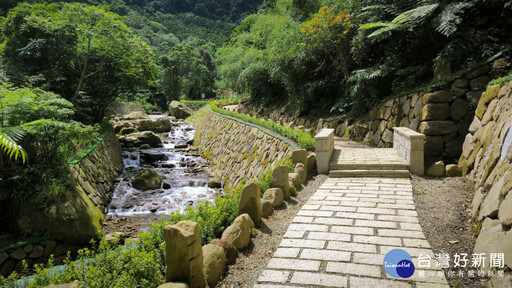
(324, 134)
(409, 133)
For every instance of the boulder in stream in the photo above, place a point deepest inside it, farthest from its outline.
(152, 156)
(140, 138)
(180, 110)
(148, 179)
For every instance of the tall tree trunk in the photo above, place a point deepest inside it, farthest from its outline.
(84, 70)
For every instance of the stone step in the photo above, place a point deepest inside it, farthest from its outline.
(399, 173)
(368, 166)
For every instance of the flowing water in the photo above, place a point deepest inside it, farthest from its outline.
(184, 184)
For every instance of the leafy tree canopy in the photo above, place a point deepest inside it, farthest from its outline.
(84, 53)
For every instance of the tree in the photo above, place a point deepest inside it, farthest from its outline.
(331, 33)
(84, 53)
(188, 72)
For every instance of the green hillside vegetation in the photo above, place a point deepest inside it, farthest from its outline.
(343, 55)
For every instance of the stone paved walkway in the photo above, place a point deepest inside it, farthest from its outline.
(340, 237)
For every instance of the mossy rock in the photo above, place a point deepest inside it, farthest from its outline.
(78, 220)
(148, 179)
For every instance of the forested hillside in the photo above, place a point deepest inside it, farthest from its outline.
(351, 54)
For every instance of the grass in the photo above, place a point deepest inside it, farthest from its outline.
(304, 140)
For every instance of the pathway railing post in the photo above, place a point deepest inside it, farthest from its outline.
(324, 148)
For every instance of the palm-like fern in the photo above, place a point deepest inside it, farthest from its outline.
(9, 136)
(451, 16)
(404, 21)
(446, 22)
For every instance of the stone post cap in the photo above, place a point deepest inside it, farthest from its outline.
(408, 132)
(186, 228)
(324, 133)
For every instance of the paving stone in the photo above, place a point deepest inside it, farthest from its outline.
(294, 234)
(294, 264)
(398, 218)
(355, 269)
(401, 233)
(369, 258)
(377, 211)
(338, 208)
(329, 236)
(327, 255)
(352, 230)
(416, 243)
(334, 221)
(407, 213)
(410, 226)
(327, 280)
(396, 206)
(302, 243)
(378, 240)
(345, 230)
(287, 252)
(380, 224)
(348, 246)
(308, 227)
(315, 213)
(274, 276)
(302, 219)
(355, 215)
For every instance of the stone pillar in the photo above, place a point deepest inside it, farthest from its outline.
(410, 146)
(184, 254)
(280, 180)
(250, 202)
(324, 148)
(300, 156)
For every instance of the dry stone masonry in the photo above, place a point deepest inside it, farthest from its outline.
(237, 151)
(487, 157)
(443, 116)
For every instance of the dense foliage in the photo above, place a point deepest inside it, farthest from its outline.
(346, 54)
(40, 122)
(84, 53)
(139, 263)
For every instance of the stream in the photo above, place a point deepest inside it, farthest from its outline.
(185, 182)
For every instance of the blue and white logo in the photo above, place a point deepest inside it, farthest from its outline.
(398, 264)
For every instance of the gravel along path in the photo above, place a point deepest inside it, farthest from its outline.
(444, 211)
(253, 260)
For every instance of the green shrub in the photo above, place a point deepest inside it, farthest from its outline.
(303, 139)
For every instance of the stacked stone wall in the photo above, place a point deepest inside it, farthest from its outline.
(487, 157)
(95, 175)
(443, 116)
(93, 181)
(34, 253)
(237, 151)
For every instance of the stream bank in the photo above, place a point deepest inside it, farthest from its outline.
(185, 181)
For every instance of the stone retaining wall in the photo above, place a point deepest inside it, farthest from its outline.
(34, 253)
(96, 173)
(443, 116)
(487, 157)
(237, 151)
(93, 181)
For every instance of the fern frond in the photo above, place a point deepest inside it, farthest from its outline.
(379, 8)
(450, 18)
(368, 26)
(384, 32)
(415, 15)
(11, 148)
